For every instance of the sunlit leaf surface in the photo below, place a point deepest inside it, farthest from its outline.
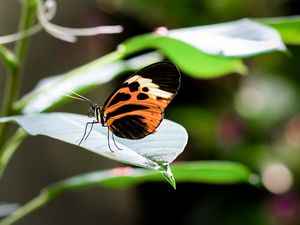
(213, 50)
(155, 151)
(232, 39)
(187, 57)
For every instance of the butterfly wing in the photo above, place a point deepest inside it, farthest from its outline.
(136, 109)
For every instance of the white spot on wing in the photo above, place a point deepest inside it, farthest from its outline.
(153, 88)
(145, 82)
(160, 93)
(132, 79)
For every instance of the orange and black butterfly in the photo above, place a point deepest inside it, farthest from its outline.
(136, 109)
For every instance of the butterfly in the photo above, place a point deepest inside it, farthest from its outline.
(136, 108)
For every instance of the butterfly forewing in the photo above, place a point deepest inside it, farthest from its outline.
(136, 109)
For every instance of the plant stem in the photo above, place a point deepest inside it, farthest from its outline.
(27, 19)
(14, 77)
(13, 80)
(9, 148)
(8, 58)
(31, 206)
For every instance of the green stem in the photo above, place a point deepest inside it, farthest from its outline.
(13, 80)
(8, 58)
(31, 206)
(27, 19)
(10, 87)
(9, 148)
(14, 77)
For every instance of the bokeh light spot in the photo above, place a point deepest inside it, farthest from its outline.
(277, 178)
(292, 132)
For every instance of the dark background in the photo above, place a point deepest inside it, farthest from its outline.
(214, 112)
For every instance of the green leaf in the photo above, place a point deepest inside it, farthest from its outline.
(288, 27)
(210, 172)
(189, 59)
(210, 51)
(49, 92)
(155, 151)
(214, 172)
(240, 38)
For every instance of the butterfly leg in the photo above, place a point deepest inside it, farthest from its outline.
(113, 137)
(108, 141)
(91, 129)
(86, 125)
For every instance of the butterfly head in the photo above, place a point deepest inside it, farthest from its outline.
(96, 111)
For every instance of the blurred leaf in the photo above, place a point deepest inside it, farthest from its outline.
(50, 91)
(258, 100)
(240, 38)
(155, 151)
(288, 27)
(210, 51)
(7, 208)
(211, 172)
(189, 59)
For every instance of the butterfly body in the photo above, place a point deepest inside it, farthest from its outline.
(136, 108)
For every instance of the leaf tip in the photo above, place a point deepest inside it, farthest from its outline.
(165, 170)
(242, 69)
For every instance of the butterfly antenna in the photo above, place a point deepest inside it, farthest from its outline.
(70, 96)
(82, 97)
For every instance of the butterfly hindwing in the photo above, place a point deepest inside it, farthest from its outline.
(137, 123)
(136, 108)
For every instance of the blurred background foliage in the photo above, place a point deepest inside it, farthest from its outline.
(253, 119)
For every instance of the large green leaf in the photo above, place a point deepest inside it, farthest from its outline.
(210, 172)
(155, 151)
(189, 59)
(240, 38)
(213, 50)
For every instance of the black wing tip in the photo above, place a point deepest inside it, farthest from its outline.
(165, 74)
(171, 66)
(162, 66)
(166, 64)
